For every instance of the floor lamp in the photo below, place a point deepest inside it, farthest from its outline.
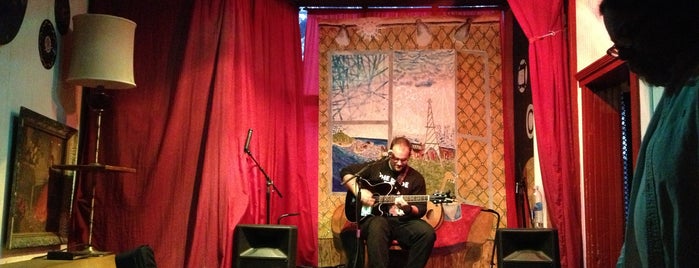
(101, 59)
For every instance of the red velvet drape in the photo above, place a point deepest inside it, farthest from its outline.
(207, 71)
(543, 22)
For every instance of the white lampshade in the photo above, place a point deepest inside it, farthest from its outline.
(102, 53)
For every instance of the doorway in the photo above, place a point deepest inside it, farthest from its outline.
(610, 141)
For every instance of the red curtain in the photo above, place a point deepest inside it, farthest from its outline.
(207, 71)
(543, 22)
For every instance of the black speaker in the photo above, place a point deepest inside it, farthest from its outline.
(525, 248)
(140, 257)
(265, 245)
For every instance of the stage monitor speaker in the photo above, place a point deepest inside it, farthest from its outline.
(527, 248)
(265, 245)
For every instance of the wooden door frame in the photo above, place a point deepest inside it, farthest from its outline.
(604, 213)
(609, 70)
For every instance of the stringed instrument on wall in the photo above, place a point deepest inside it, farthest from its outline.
(435, 212)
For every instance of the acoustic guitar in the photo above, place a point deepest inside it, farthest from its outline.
(383, 200)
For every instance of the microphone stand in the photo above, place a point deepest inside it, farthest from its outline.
(358, 208)
(270, 185)
(358, 245)
(495, 241)
(357, 214)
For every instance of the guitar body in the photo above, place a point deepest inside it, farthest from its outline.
(351, 200)
(434, 215)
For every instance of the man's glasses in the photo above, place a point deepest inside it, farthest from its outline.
(618, 52)
(613, 51)
(396, 160)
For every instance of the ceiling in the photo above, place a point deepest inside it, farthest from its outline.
(399, 3)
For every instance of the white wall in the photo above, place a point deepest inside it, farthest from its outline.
(25, 82)
(592, 40)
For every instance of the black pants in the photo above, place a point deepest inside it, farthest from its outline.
(416, 236)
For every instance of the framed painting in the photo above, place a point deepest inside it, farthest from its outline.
(40, 197)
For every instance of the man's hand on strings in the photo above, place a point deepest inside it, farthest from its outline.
(400, 207)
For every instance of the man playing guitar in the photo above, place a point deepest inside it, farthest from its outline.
(399, 220)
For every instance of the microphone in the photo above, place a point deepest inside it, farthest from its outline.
(247, 142)
(386, 155)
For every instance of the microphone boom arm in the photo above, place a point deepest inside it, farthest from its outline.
(270, 184)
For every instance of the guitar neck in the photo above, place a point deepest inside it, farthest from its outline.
(407, 198)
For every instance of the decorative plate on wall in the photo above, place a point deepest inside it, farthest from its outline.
(11, 17)
(47, 44)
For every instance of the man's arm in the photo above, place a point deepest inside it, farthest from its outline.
(349, 179)
(417, 209)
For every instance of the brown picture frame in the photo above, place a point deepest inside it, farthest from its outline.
(41, 197)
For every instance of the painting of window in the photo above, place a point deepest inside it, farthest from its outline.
(379, 95)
